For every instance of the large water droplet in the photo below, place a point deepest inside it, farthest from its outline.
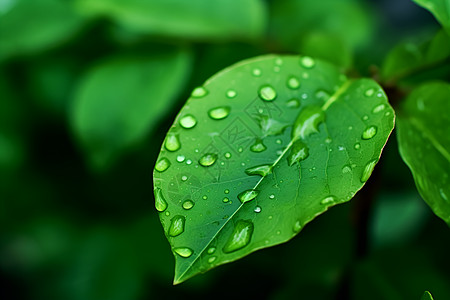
(219, 113)
(267, 93)
(307, 122)
(297, 227)
(293, 103)
(261, 170)
(162, 164)
(378, 108)
(188, 204)
(240, 237)
(369, 92)
(211, 250)
(368, 169)
(208, 159)
(293, 82)
(199, 92)
(307, 62)
(247, 195)
(160, 201)
(177, 225)
(212, 259)
(369, 133)
(299, 152)
(188, 121)
(183, 251)
(258, 146)
(328, 200)
(172, 142)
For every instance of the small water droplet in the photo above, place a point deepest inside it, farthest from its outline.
(368, 169)
(225, 200)
(188, 204)
(328, 140)
(231, 94)
(350, 127)
(227, 155)
(258, 146)
(369, 133)
(160, 201)
(219, 113)
(322, 95)
(388, 113)
(297, 227)
(247, 195)
(346, 169)
(240, 149)
(304, 96)
(172, 142)
(341, 148)
(293, 82)
(365, 118)
(199, 92)
(183, 251)
(328, 200)
(267, 93)
(204, 197)
(188, 121)
(357, 146)
(272, 196)
(299, 152)
(208, 159)
(188, 162)
(227, 191)
(261, 170)
(379, 94)
(240, 237)
(211, 250)
(212, 259)
(184, 178)
(293, 103)
(278, 141)
(181, 158)
(305, 75)
(307, 62)
(177, 225)
(378, 108)
(257, 209)
(256, 72)
(369, 92)
(162, 164)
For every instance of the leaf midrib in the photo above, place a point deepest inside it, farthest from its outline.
(324, 107)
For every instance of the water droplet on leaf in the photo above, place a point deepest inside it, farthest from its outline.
(212, 259)
(261, 170)
(231, 94)
(188, 204)
(307, 122)
(378, 108)
(369, 92)
(256, 72)
(267, 93)
(257, 209)
(297, 227)
(258, 146)
(240, 237)
(369, 133)
(307, 62)
(293, 83)
(180, 158)
(199, 92)
(183, 251)
(162, 164)
(172, 142)
(160, 201)
(328, 200)
(188, 121)
(293, 103)
(219, 113)
(299, 152)
(208, 159)
(247, 195)
(368, 169)
(177, 226)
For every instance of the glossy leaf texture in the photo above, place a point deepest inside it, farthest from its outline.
(426, 296)
(27, 26)
(195, 19)
(424, 143)
(260, 150)
(440, 9)
(119, 101)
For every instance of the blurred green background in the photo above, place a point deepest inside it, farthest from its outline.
(88, 89)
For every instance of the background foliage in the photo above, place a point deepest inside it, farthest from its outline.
(88, 90)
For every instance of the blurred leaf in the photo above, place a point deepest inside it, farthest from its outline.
(122, 99)
(408, 58)
(195, 19)
(327, 47)
(440, 9)
(28, 26)
(427, 296)
(424, 143)
(235, 125)
(347, 20)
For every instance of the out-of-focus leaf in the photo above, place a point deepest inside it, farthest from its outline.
(408, 58)
(424, 143)
(196, 19)
(427, 296)
(259, 151)
(327, 47)
(440, 9)
(347, 20)
(122, 99)
(28, 26)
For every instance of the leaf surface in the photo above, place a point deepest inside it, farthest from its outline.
(119, 101)
(262, 149)
(440, 9)
(424, 143)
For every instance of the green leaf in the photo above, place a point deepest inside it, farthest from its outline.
(440, 9)
(195, 19)
(121, 100)
(229, 190)
(406, 59)
(427, 296)
(28, 26)
(424, 143)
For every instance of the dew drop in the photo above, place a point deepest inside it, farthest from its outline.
(199, 92)
(261, 170)
(257, 209)
(369, 133)
(172, 142)
(227, 191)
(162, 164)
(240, 149)
(369, 92)
(247, 195)
(231, 94)
(328, 200)
(307, 62)
(378, 108)
(212, 259)
(258, 146)
(293, 103)
(322, 95)
(293, 83)
(188, 204)
(297, 227)
(181, 158)
(240, 237)
(183, 251)
(160, 201)
(307, 122)
(256, 72)
(357, 146)
(184, 178)
(267, 93)
(167, 213)
(368, 169)
(205, 197)
(188, 121)
(208, 159)
(188, 162)
(227, 155)
(365, 118)
(272, 196)
(211, 250)
(299, 152)
(225, 200)
(346, 169)
(219, 113)
(177, 225)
